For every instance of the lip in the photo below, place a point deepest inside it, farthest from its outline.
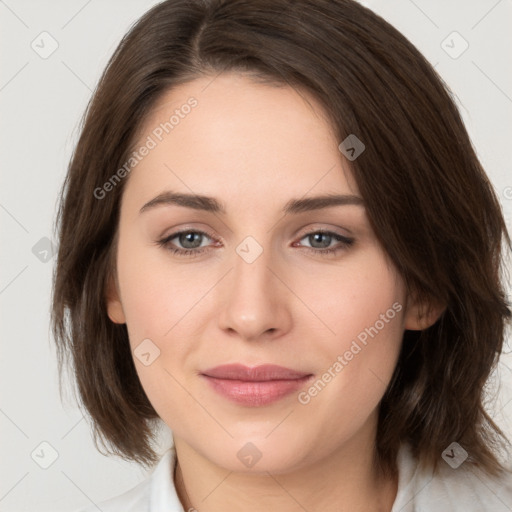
(254, 386)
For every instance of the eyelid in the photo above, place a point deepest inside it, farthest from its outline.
(209, 234)
(344, 242)
(202, 231)
(322, 229)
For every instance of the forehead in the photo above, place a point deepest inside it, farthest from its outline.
(230, 136)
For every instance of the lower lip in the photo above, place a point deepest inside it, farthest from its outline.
(256, 393)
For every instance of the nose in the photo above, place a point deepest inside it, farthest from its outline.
(255, 304)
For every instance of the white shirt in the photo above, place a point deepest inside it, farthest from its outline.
(450, 490)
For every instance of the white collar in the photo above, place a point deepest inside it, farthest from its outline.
(162, 491)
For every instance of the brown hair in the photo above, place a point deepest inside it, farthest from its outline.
(427, 197)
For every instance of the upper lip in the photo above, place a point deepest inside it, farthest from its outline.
(260, 373)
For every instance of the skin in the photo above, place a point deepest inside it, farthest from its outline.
(254, 147)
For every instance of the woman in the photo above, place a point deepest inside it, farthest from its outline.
(276, 238)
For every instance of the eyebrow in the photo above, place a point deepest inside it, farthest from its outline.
(212, 205)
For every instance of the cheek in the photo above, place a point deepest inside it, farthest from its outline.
(156, 296)
(351, 298)
(161, 303)
(157, 302)
(363, 310)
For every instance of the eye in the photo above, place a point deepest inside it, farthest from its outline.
(320, 242)
(190, 239)
(191, 242)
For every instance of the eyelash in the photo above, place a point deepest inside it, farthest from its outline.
(191, 253)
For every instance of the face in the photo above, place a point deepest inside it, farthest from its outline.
(262, 273)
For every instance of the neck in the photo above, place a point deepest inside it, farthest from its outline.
(346, 480)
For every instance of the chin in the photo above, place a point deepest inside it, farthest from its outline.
(256, 455)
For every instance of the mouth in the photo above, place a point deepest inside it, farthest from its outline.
(255, 386)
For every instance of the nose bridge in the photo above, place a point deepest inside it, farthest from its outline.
(253, 303)
(251, 281)
(251, 264)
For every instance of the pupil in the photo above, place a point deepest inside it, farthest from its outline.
(187, 240)
(317, 237)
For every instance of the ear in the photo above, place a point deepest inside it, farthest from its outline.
(114, 307)
(421, 314)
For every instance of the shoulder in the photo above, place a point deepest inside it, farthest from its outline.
(155, 493)
(465, 489)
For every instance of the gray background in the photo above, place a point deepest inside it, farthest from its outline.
(42, 100)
